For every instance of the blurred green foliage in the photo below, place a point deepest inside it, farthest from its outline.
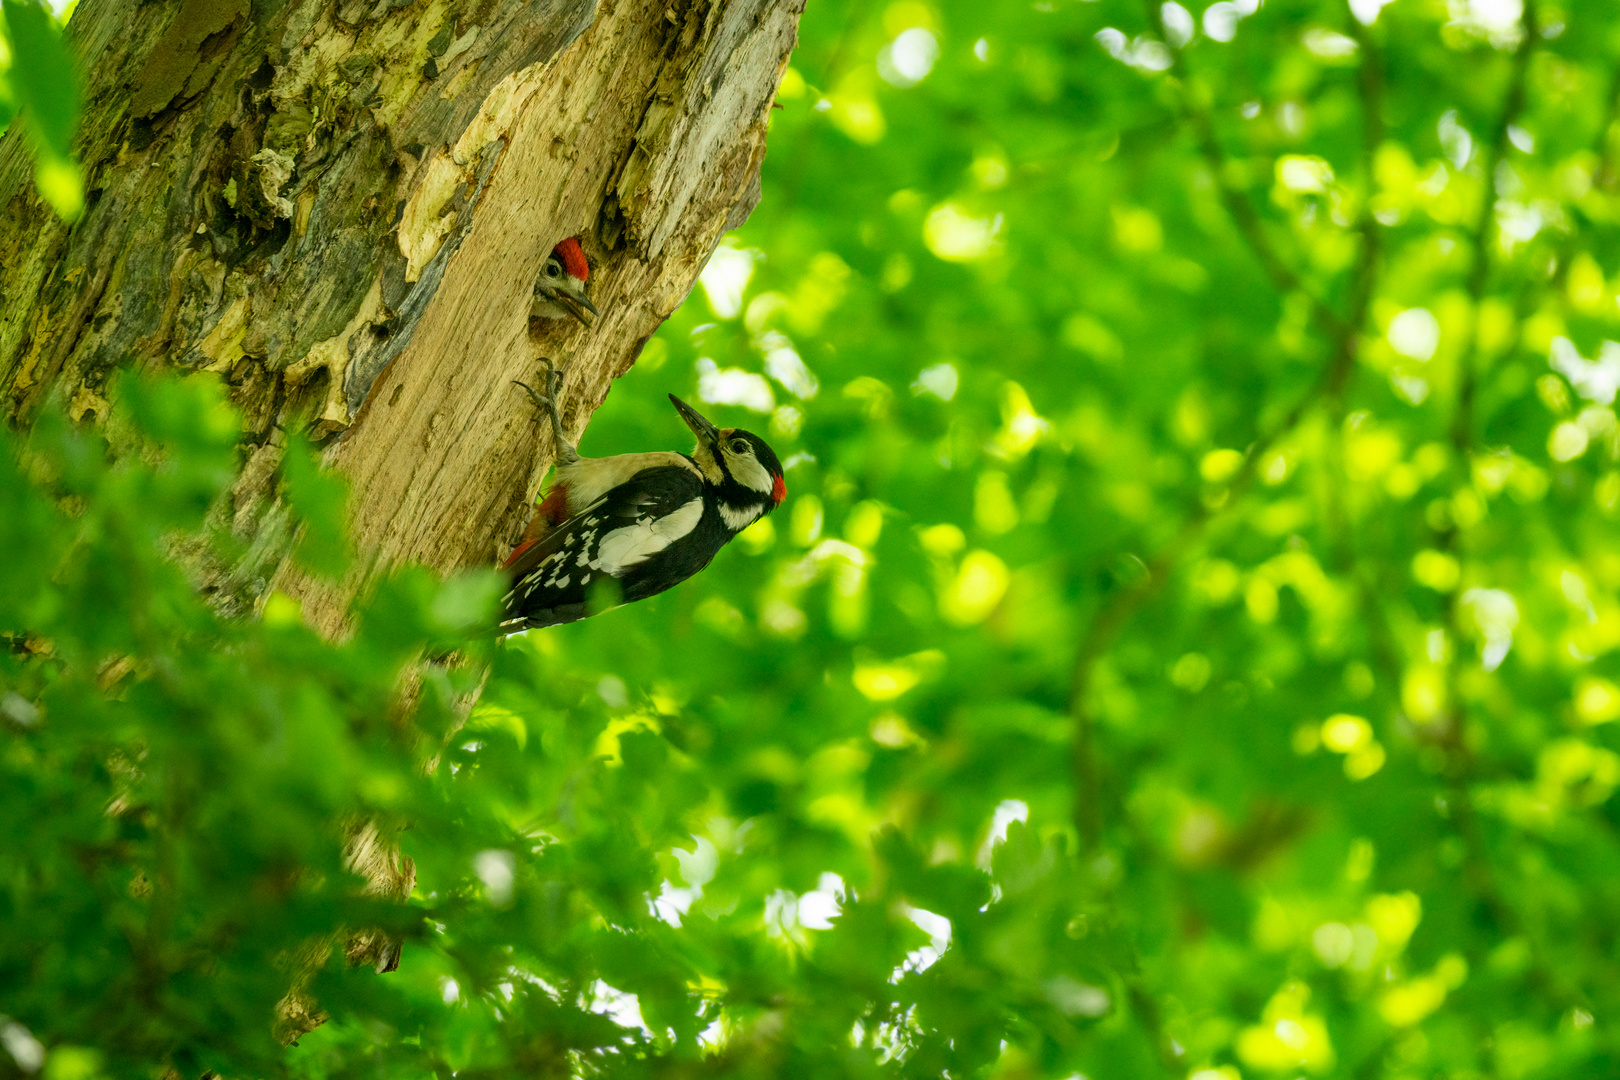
(38, 78)
(1188, 648)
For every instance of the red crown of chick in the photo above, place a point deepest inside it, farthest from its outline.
(573, 257)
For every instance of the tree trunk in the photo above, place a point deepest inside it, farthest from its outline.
(341, 206)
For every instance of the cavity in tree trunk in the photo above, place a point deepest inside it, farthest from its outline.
(341, 209)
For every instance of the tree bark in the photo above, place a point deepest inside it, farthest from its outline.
(341, 206)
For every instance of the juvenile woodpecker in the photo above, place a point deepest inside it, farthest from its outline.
(618, 529)
(559, 292)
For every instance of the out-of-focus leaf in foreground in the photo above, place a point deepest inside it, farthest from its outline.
(1188, 648)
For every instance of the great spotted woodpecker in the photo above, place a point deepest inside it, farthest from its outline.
(618, 529)
(559, 292)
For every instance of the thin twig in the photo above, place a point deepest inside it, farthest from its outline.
(1149, 1015)
(1477, 872)
(1237, 202)
(1124, 602)
(1117, 610)
(1247, 219)
(1450, 539)
(1479, 270)
(1344, 333)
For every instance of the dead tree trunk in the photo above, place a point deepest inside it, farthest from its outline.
(340, 206)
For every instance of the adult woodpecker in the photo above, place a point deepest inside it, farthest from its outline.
(618, 529)
(559, 292)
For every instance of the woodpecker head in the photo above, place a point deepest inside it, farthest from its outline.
(739, 465)
(559, 292)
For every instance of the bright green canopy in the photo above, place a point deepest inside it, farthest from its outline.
(1187, 648)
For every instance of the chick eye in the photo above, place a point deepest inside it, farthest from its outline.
(553, 268)
(738, 446)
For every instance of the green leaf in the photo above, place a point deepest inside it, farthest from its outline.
(43, 74)
(60, 182)
(44, 81)
(319, 499)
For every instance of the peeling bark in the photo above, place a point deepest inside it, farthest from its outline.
(340, 207)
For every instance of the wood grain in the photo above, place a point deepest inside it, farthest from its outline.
(340, 209)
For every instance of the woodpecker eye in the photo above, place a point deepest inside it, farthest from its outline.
(553, 267)
(739, 446)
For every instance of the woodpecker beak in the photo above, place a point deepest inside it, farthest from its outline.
(705, 431)
(575, 303)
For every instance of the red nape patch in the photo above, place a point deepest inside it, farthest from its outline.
(573, 257)
(779, 491)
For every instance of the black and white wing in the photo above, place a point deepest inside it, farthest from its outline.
(552, 582)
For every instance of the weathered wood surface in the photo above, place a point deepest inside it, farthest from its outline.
(341, 207)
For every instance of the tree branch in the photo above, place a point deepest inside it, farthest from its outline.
(1477, 872)
(1237, 202)
(1117, 610)
(1479, 270)
(1460, 763)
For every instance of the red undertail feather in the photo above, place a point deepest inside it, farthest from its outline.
(553, 509)
(519, 550)
(552, 512)
(573, 257)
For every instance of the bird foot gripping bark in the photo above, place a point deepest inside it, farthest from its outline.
(551, 511)
(547, 403)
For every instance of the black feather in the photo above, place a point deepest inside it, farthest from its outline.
(555, 582)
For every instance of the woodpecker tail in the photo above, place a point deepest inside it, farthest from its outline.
(563, 613)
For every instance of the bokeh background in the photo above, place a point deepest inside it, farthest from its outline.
(1187, 648)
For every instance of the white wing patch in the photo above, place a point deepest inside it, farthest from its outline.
(633, 544)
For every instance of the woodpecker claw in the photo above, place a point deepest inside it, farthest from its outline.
(548, 403)
(540, 400)
(554, 379)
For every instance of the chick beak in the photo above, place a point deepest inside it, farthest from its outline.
(578, 297)
(705, 431)
(576, 304)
